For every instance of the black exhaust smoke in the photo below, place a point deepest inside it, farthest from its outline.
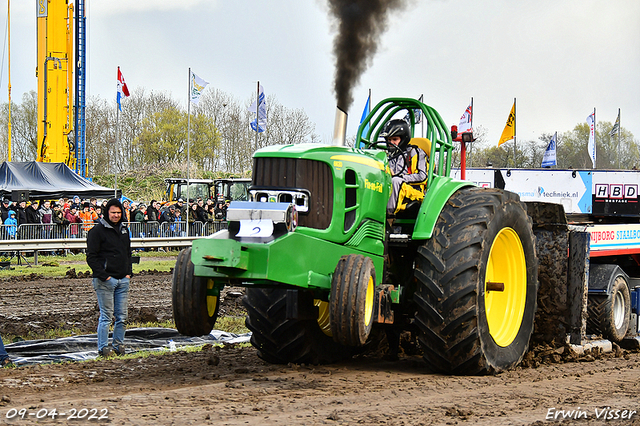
(360, 23)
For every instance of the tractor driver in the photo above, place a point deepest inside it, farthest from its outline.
(408, 165)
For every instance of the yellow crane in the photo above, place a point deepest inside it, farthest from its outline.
(54, 71)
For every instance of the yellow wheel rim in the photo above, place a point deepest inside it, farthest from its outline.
(212, 301)
(323, 316)
(507, 266)
(368, 303)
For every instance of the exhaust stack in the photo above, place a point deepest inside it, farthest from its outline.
(340, 128)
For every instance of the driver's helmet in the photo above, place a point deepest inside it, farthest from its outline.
(397, 128)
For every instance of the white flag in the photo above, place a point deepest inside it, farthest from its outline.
(549, 158)
(261, 125)
(591, 121)
(197, 86)
(465, 120)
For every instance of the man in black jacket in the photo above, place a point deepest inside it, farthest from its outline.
(32, 212)
(109, 257)
(4, 209)
(21, 211)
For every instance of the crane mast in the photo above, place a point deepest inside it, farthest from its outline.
(81, 78)
(54, 71)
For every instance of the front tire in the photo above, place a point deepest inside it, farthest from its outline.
(281, 340)
(477, 284)
(351, 302)
(195, 306)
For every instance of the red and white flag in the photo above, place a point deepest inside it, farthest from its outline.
(465, 120)
(122, 88)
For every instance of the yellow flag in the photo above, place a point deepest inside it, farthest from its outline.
(509, 131)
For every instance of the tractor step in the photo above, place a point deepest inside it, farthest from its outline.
(399, 239)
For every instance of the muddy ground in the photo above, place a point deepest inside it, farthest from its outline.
(233, 386)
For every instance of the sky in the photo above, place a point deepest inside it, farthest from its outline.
(559, 58)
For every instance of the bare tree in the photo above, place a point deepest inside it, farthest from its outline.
(24, 119)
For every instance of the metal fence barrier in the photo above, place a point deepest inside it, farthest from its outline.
(54, 237)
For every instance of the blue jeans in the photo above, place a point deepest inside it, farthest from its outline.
(113, 298)
(3, 352)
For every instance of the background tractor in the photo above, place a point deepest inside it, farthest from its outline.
(324, 266)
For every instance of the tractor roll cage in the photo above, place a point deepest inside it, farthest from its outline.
(436, 131)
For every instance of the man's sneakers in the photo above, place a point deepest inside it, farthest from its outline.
(120, 350)
(6, 363)
(105, 352)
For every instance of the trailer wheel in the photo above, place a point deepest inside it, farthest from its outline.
(609, 315)
(195, 310)
(351, 302)
(281, 340)
(477, 284)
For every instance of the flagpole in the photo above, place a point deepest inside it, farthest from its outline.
(257, 109)
(188, 143)
(515, 149)
(619, 127)
(618, 120)
(115, 153)
(556, 159)
(470, 151)
(9, 72)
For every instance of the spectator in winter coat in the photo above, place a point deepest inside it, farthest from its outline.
(126, 206)
(76, 202)
(140, 214)
(180, 205)
(133, 211)
(194, 227)
(58, 215)
(109, 257)
(203, 216)
(45, 212)
(153, 215)
(21, 212)
(74, 222)
(32, 213)
(4, 209)
(220, 211)
(168, 214)
(11, 224)
(88, 217)
(46, 218)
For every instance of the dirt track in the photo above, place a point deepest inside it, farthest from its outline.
(233, 386)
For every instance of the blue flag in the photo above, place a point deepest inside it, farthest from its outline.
(364, 115)
(549, 158)
(259, 124)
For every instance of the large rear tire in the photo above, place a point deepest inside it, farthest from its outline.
(280, 340)
(351, 302)
(609, 315)
(477, 284)
(195, 307)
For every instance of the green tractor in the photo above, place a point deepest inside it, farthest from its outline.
(324, 266)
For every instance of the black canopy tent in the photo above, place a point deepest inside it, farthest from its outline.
(47, 181)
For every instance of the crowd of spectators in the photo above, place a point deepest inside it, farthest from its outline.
(85, 213)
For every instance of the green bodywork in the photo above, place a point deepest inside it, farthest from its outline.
(307, 257)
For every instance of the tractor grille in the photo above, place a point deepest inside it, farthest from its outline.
(292, 173)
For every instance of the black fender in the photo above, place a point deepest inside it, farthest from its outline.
(602, 277)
